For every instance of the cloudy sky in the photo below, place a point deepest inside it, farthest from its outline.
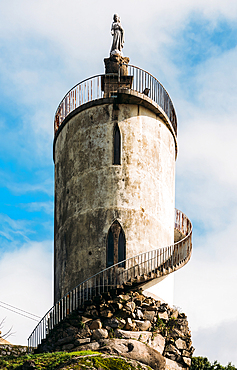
(46, 47)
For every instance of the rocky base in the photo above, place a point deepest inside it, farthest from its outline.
(130, 325)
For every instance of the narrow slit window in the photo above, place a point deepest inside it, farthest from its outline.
(110, 249)
(121, 248)
(117, 145)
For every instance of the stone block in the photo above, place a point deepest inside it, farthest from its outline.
(187, 361)
(124, 297)
(114, 323)
(149, 315)
(94, 346)
(172, 349)
(186, 353)
(130, 306)
(172, 365)
(176, 333)
(79, 342)
(180, 344)
(163, 316)
(96, 324)
(157, 341)
(100, 334)
(126, 334)
(143, 325)
(129, 324)
(83, 333)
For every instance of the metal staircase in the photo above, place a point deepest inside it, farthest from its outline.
(138, 271)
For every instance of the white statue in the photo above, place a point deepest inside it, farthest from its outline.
(118, 36)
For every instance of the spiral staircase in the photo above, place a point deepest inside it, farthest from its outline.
(138, 271)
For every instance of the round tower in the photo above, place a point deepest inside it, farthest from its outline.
(116, 228)
(114, 152)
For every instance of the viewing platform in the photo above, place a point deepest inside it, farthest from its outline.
(131, 84)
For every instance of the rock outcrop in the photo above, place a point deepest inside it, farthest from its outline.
(128, 324)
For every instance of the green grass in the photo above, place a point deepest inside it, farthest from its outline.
(68, 361)
(43, 361)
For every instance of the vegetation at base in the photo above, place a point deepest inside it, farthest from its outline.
(73, 361)
(42, 361)
(202, 363)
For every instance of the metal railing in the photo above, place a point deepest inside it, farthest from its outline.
(93, 88)
(139, 269)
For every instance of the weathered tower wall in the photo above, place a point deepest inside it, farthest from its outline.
(91, 192)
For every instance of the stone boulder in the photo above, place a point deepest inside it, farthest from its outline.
(134, 350)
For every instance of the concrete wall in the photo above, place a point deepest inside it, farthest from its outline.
(91, 192)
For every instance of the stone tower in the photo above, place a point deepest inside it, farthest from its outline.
(114, 151)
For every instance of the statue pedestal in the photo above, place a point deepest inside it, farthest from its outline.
(115, 63)
(116, 75)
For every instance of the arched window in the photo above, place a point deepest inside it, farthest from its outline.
(117, 145)
(116, 245)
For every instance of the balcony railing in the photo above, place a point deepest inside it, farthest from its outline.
(93, 88)
(139, 269)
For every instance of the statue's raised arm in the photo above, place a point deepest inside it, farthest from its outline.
(118, 36)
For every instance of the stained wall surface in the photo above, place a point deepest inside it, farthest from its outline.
(91, 192)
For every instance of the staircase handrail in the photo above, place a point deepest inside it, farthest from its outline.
(138, 270)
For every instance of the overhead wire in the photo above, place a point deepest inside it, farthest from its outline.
(19, 313)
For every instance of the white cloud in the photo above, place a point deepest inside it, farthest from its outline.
(206, 191)
(206, 290)
(38, 206)
(221, 339)
(26, 283)
(18, 187)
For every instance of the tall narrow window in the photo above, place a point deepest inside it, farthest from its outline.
(116, 245)
(110, 249)
(117, 145)
(121, 248)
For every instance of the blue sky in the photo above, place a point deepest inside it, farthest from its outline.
(45, 49)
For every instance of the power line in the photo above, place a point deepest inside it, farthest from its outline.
(7, 304)
(28, 317)
(7, 308)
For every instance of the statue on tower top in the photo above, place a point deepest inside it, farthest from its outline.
(117, 63)
(117, 32)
